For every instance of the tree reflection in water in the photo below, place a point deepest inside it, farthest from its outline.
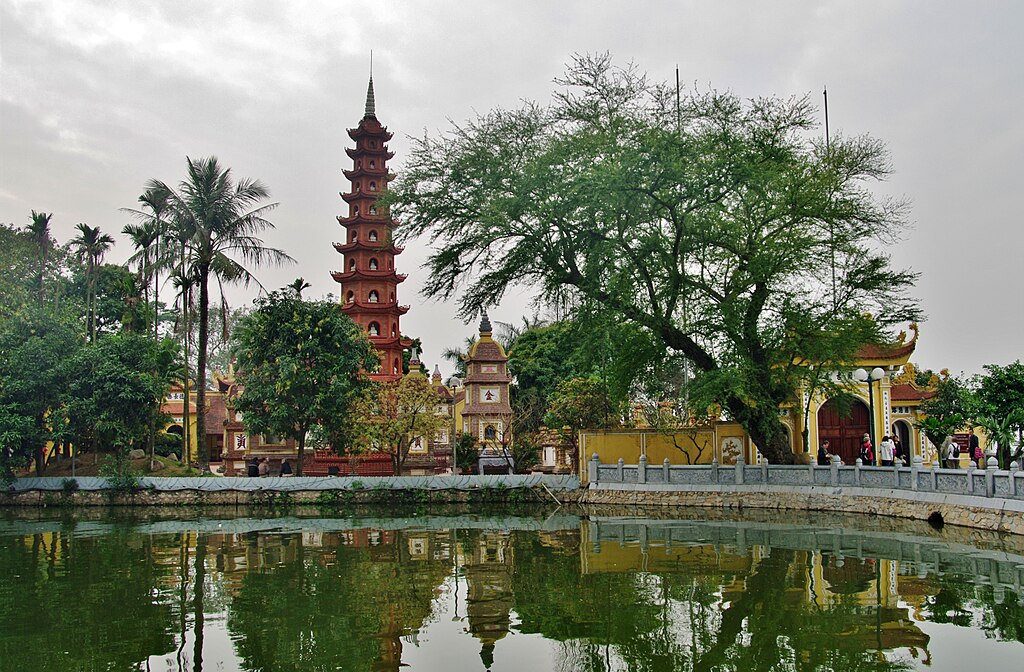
(334, 595)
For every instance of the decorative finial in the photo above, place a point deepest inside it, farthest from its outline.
(437, 373)
(485, 323)
(371, 106)
(414, 355)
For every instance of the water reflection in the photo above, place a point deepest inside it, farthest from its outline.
(461, 592)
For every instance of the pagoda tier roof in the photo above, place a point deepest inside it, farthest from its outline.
(349, 196)
(360, 153)
(500, 408)
(386, 341)
(367, 245)
(487, 378)
(368, 172)
(486, 349)
(368, 275)
(364, 219)
(382, 307)
(370, 128)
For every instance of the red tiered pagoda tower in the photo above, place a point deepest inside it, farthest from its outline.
(369, 283)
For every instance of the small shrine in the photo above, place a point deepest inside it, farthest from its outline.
(487, 413)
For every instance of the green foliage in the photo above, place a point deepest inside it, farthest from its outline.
(69, 486)
(946, 411)
(710, 228)
(395, 414)
(300, 365)
(582, 403)
(112, 391)
(35, 344)
(467, 451)
(998, 404)
(122, 479)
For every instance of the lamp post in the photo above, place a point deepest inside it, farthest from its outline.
(454, 382)
(863, 376)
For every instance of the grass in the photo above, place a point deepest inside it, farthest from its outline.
(88, 465)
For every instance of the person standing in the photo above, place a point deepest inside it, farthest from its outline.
(950, 453)
(898, 452)
(286, 467)
(823, 455)
(886, 451)
(264, 468)
(867, 452)
(974, 449)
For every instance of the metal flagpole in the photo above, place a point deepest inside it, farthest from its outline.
(831, 226)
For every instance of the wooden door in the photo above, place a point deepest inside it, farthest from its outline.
(844, 431)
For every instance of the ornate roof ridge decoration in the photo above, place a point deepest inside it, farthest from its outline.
(893, 353)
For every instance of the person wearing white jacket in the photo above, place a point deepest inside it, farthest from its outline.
(886, 449)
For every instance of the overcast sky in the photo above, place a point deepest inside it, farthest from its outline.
(98, 97)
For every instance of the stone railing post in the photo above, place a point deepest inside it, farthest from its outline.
(641, 471)
(764, 470)
(834, 470)
(856, 471)
(991, 466)
(714, 470)
(740, 467)
(619, 469)
(970, 477)
(915, 467)
(666, 471)
(592, 468)
(1014, 467)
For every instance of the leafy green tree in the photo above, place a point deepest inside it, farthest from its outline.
(301, 364)
(946, 411)
(580, 403)
(711, 225)
(90, 247)
(112, 392)
(999, 404)
(397, 413)
(217, 221)
(34, 345)
(16, 262)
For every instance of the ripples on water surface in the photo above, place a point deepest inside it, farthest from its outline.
(536, 592)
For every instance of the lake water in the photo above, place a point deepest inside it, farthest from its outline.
(541, 591)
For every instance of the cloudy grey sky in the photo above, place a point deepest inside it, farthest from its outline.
(98, 97)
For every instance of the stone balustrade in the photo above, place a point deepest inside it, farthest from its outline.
(989, 482)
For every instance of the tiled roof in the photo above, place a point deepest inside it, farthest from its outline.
(486, 350)
(908, 392)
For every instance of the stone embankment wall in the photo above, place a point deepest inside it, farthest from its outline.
(212, 491)
(994, 514)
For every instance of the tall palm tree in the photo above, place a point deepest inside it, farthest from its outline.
(184, 306)
(218, 221)
(90, 247)
(39, 232)
(298, 285)
(143, 237)
(155, 202)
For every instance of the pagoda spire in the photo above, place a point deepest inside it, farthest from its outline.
(371, 106)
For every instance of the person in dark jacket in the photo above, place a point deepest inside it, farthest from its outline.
(823, 455)
(286, 467)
